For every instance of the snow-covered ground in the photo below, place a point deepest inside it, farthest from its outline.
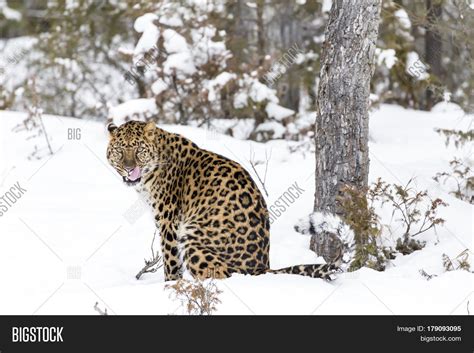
(78, 236)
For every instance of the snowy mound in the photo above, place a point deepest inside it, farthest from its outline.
(446, 107)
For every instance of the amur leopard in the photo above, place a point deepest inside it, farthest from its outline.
(211, 216)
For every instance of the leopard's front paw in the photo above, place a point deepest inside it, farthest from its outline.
(173, 277)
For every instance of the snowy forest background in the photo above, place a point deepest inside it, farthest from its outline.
(239, 78)
(221, 59)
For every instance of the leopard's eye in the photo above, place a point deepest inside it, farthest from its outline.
(117, 152)
(141, 153)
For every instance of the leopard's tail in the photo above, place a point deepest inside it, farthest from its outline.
(315, 271)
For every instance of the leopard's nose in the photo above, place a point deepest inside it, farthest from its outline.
(128, 169)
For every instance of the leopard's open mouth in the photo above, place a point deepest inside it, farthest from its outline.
(134, 176)
(130, 182)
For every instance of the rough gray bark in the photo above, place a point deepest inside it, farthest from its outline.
(341, 132)
(328, 245)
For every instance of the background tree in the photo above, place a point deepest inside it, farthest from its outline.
(433, 44)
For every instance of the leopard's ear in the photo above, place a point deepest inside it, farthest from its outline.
(111, 127)
(149, 130)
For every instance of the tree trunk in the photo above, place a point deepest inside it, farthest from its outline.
(342, 121)
(260, 32)
(290, 34)
(433, 45)
(237, 40)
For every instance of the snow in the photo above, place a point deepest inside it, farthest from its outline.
(144, 22)
(132, 109)
(415, 67)
(158, 86)
(13, 53)
(446, 107)
(386, 56)
(402, 16)
(260, 92)
(222, 79)
(67, 63)
(71, 240)
(327, 4)
(276, 129)
(330, 223)
(251, 88)
(204, 48)
(240, 100)
(150, 34)
(180, 59)
(16, 56)
(174, 42)
(218, 82)
(278, 112)
(239, 128)
(8, 12)
(172, 21)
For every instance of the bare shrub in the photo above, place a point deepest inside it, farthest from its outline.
(415, 210)
(33, 124)
(458, 137)
(460, 262)
(359, 213)
(196, 297)
(463, 177)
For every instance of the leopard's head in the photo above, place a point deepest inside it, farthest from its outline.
(132, 150)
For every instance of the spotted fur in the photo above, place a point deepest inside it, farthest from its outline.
(212, 218)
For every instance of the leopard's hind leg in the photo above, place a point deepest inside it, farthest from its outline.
(203, 262)
(202, 251)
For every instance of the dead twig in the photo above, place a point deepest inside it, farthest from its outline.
(426, 275)
(152, 265)
(254, 163)
(99, 310)
(38, 113)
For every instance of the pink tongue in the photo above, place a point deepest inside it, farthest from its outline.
(135, 174)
